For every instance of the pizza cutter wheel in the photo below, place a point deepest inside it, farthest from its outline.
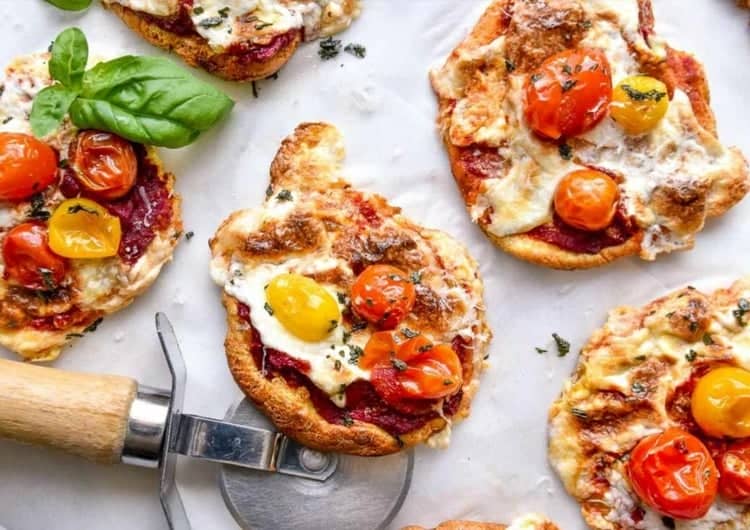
(268, 480)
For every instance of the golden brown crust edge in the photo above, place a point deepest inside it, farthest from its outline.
(195, 51)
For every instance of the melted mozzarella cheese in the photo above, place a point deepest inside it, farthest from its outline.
(332, 364)
(217, 20)
(160, 8)
(530, 522)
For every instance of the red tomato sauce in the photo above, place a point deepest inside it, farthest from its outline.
(143, 211)
(362, 402)
(568, 238)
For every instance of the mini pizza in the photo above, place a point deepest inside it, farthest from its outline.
(354, 329)
(527, 522)
(576, 135)
(238, 40)
(87, 220)
(653, 430)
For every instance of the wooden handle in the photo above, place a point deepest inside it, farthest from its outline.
(82, 414)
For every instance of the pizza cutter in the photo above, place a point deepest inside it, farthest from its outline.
(268, 481)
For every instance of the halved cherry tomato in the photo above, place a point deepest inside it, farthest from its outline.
(721, 403)
(29, 261)
(569, 93)
(587, 199)
(105, 164)
(674, 473)
(27, 166)
(383, 295)
(416, 370)
(734, 471)
(380, 348)
(80, 228)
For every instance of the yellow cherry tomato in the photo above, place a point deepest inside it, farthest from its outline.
(306, 309)
(639, 103)
(721, 403)
(81, 228)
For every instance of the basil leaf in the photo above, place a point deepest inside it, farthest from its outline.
(70, 53)
(150, 130)
(148, 100)
(49, 109)
(71, 5)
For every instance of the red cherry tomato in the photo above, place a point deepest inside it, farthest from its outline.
(569, 94)
(27, 166)
(417, 369)
(105, 164)
(587, 199)
(28, 259)
(674, 473)
(383, 295)
(734, 471)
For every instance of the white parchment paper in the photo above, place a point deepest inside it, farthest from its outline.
(496, 467)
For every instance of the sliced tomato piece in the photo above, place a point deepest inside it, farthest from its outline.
(105, 164)
(27, 166)
(734, 471)
(29, 261)
(383, 295)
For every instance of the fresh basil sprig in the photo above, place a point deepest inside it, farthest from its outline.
(147, 100)
(71, 5)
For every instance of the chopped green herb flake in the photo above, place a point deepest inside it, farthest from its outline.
(566, 152)
(189, 235)
(637, 95)
(409, 333)
(399, 365)
(568, 85)
(355, 49)
(334, 325)
(540, 350)
(743, 307)
(93, 326)
(691, 356)
(284, 195)
(638, 388)
(509, 65)
(211, 22)
(329, 48)
(79, 208)
(580, 414)
(563, 346)
(416, 277)
(268, 308)
(707, 340)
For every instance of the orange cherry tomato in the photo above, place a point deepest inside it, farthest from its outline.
(569, 94)
(380, 348)
(734, 471)
(29, 261)
(383, 295)
(27, 166)
(417, 370)
(587, 199)
(105, 164)
(673, 472)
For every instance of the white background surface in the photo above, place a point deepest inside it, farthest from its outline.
(496, 467)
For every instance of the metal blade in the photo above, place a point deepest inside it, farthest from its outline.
(170, 498)
(363, 493)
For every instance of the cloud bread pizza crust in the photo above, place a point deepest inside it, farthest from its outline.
(244, 40)
(635, 378)
(38, 323)
(526, 522)
(315, 224)
(670, 179)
